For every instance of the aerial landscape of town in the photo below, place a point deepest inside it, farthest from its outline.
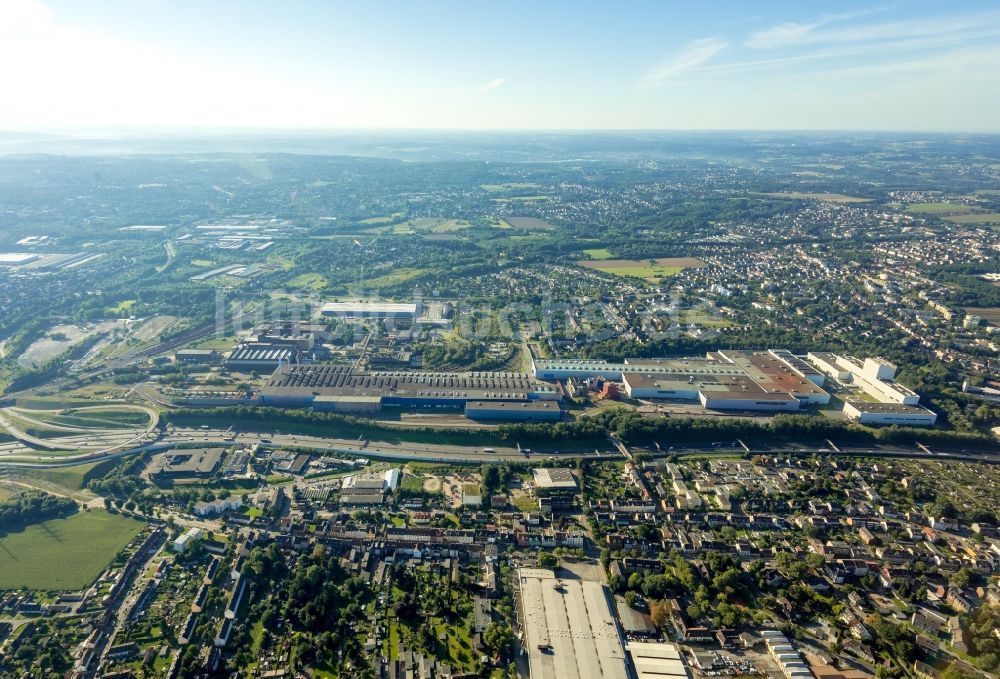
(444, 340)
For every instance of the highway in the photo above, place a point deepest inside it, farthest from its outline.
(94, 445)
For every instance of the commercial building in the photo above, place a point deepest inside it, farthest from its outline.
(262, 356)
(303, 336)
(653, 660)
(378, 310)
(513, 410)
(185, 464)
(203, 356)
(874, 376)
(772, 380)
(885, 401)
(346, 389)
(17, 258)
(866, 412)
(551, 478)
(569, 628)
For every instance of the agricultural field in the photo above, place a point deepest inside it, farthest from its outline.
(990, 314)
(825, 197)
(425, 225)
(652, 270)
(975, 218)
(64, 554)
(528, 223)
(394, 278)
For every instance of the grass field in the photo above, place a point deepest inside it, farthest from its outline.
(64, 554)
(825, 197)
(69, 479)
(975, 218)
(122, 307)
(307, 281)
(653, 271)
(935, 208)
(598, 253)
(397, 276)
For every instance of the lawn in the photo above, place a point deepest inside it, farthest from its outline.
(64, 554)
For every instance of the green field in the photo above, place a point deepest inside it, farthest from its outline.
(653, 271)
(935, 208)
(307, 281)
(122, 307)
(598, 253)
(975, 218)
(398, 276)
(64, 554)
(68, 479)
(825, 197)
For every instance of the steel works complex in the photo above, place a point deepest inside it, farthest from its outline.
(758, 381)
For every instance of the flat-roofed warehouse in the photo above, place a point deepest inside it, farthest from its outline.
(551, 478)
(342, 388)
(653, 660)
(385, 310)
(569, 628)
(513, 410)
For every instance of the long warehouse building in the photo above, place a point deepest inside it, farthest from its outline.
(569, 628)
(345, 389)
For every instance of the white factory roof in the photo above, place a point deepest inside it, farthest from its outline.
(656, 660)
(370, 308)
(569, 628)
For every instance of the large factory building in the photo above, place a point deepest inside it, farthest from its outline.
(345, 389)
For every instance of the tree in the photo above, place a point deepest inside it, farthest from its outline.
(548, 560)
(497, 637)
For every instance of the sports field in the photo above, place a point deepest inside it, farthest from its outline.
(64, 554)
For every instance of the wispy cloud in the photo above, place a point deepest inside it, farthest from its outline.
(692, 55)
(825, 30)
(490, 86)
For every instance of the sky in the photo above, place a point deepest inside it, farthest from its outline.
(473, 64)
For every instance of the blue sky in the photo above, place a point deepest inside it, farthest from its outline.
(500, 65)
